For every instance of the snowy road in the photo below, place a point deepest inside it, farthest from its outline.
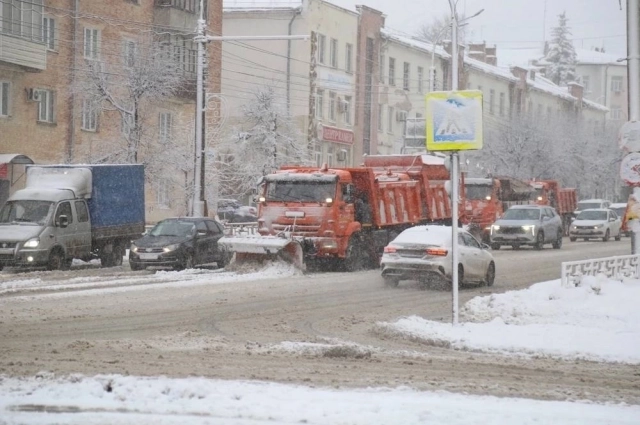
(313, 329)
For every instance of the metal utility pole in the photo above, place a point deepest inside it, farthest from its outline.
(454, 169)
(201, 38)
(633, 58)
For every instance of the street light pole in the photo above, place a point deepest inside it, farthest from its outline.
(201, 38)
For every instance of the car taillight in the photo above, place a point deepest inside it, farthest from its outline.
(389, 249)
(441, 252)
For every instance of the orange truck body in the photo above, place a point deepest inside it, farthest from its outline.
(488, 198)
(400, 191)
(564, 200)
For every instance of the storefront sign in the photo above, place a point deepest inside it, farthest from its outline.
(334, 134)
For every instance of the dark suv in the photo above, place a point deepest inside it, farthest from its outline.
(226, 208)
(180, 243)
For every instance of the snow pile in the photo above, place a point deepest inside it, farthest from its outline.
(598, 320)
(134, 400)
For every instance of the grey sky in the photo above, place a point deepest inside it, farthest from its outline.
(514, 25)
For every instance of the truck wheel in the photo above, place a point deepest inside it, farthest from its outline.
(56, 260)
(136, 267)
(606, 236)
(557, 244)
(572, 239)
(117, 254)
(619, 237)
(353, 260)
(187, 262)
(539, 241)
(495, 246)
(460, 275)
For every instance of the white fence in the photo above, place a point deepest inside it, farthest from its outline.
(612, 267)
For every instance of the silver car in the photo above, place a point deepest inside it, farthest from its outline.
(532, 225)
(424, 253)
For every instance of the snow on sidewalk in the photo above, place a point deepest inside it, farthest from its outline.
(598, 320)
(116, 399)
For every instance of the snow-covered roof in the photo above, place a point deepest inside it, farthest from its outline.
(586, 57)
(489, 69)
(261, 4)
(413, 42)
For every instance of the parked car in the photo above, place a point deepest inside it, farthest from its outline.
(596, 223)
(226, 208)
(621, 210)
(424, 253)
(533, 225)
(587, 204)
(180, 243)
(244, 214)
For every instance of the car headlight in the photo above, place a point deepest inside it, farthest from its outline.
(32, 243)
(170, 248)
(495, 227)
(574, 227)
(133, 248)
(598, 226)
(529, 227)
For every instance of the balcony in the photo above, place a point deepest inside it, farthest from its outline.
(176, 14)
(21, 40)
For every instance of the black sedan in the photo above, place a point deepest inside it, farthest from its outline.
(180, 243)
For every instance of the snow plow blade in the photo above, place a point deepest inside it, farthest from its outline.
(259, 248)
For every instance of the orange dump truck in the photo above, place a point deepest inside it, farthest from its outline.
(325, 217)
(486, 199)
(564, 200)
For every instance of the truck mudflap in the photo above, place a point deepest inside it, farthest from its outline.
(260, 248)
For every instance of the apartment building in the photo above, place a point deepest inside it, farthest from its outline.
(54, 51)
(315, 79)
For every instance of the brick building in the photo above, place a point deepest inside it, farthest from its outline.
(51, 50)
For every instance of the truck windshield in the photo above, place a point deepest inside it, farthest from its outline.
(24, 211)
(300, 191)
(173, 228)
(477, 191)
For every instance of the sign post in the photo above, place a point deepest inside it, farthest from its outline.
(454, 123)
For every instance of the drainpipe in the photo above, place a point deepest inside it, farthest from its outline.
(296, 12)
(71, 137)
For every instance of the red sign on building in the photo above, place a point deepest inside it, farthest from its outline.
(337, 135)
(4, 171)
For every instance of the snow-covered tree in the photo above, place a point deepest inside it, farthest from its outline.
(131, 84)
(440, 29)
(561, 56)
(265, 140)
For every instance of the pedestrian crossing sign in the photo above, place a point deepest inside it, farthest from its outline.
(454, 120)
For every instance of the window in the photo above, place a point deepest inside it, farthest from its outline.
(616, 113)
(420, 79)
(616, 84)
(82, 212)
(22, 18)
(405, 76)
(330, 150)
(4, 98)
(348, 58)
(381, 70)
(322, 40)
(501, 107)
(492, 101)
(389, 119)
(89, 116)
(317, 153)
(64, 209)
(126, 125)
(49, 32)
(480, 88)
(91, 43)
(392, 71)
(333, 53)
(45, 107)
(162, 193)
(585, 83)
(320, 104)
(130, 51)
(332, 106)
(380, 118)
(347, 110)
(188, 5)
(165, 123)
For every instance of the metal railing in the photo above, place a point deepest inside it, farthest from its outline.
(613, 267)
